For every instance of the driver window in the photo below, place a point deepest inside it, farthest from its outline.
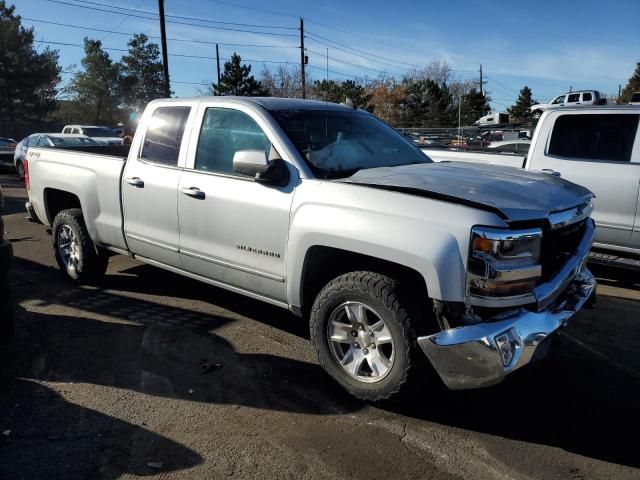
(558, 100)
(225, 132)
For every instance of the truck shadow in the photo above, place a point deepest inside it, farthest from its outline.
(48, 437)
(584, 399)
(107, 339)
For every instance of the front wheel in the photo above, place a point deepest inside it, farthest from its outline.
(75, 252)
(363, 330)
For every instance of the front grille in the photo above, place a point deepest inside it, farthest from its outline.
(559, 245)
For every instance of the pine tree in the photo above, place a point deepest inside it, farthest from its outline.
(633, 85)
(474, 106)
(521, 110)
(237, 80)
(97, 86)
(28, 79)
(142, 76)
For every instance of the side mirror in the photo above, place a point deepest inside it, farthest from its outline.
(256, 164)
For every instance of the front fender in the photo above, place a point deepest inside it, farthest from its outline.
(428, 248)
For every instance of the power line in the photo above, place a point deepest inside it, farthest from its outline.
(249, 60)
(355, 64)
(256, 9)
(156, 36)
(93, 8)
(182, 17)
(359, 51)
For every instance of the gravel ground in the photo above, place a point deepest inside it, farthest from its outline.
(152, 374)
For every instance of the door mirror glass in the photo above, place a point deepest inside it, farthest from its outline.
(252, 163)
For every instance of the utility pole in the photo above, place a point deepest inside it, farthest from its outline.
(481, 79)
(302, 57)
(570, 88)
(328, 67)
(218, 63)
(165, 61)
(619, 90)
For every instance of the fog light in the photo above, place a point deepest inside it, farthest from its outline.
(507, 346)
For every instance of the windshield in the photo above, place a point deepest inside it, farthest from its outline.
(66, 141)
(339, 143)
(98, 132)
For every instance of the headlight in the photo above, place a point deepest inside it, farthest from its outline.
(503, 263)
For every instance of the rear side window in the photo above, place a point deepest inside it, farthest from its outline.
(164, 136)
(574, 97)
(586, 97)
(225, 132)
(594, 137)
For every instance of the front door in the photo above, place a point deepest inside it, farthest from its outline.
(150, 186)
(596, 151)
(232, 229)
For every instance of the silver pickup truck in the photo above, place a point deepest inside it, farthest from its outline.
(326, 211)
(598, 147)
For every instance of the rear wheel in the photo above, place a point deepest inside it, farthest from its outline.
(363, 329)
(75, 252)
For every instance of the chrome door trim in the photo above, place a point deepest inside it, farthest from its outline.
(151, 242)
(216, 261)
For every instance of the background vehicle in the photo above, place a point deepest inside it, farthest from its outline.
(326, 211)
(635, 99)
(47, 140)
(580, 98)
(7, 149)
(100, 134)
(510, 146)
(493, 118)
(598, 148)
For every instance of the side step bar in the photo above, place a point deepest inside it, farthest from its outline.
(614, 261)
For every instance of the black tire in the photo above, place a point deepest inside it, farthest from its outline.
(20, 169)
(400, 314)
(91, 263)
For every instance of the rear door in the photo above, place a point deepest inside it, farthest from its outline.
(587, 98)
(597, 151)
(573, 99)
(150, 183)
(233, 229)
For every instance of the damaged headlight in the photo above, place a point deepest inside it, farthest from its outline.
(503, 263)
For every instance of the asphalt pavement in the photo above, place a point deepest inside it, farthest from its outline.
(152, 374)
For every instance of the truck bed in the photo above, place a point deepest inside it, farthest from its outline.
(88, 175)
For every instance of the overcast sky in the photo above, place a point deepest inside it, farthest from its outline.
(547, 45)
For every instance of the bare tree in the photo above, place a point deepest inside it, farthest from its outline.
(285, 81)
(437, 70)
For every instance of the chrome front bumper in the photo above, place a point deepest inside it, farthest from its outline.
(470, 357)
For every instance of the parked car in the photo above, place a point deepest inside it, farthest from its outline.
(635, 99)
(595, 147)
(6, 259)
(520, 146)
(100, 134)
(326, 211)
(47, 140)
(580, 98)
(7, 149)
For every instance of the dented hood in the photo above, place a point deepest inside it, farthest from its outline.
(512, 193)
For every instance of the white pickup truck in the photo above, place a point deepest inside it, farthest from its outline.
(596, 147)
(326, 211)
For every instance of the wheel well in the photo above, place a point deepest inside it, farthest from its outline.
(57, 200)
(323, 264)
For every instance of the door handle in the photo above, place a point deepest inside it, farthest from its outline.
(194, 192)
(135, 181)
(551, 172)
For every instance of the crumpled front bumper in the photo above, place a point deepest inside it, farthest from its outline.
(470, 357)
